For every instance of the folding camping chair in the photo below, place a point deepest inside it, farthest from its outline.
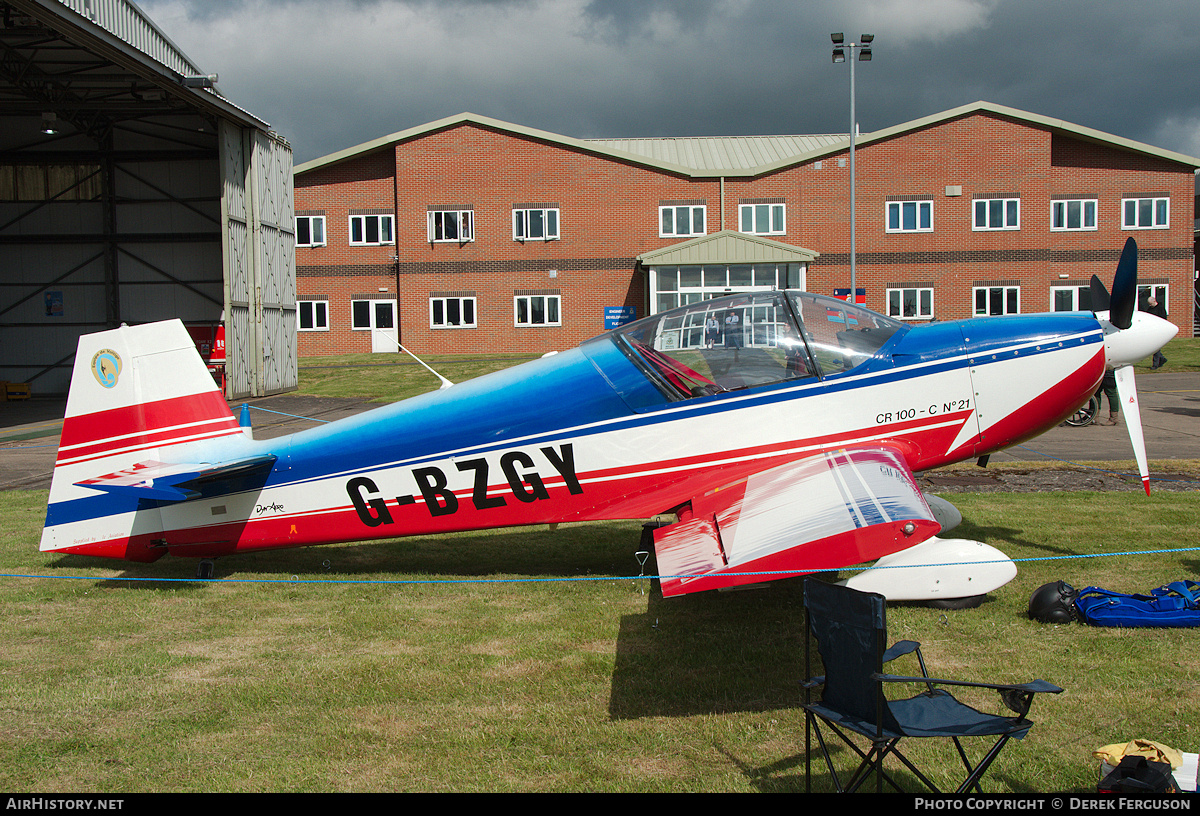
(850, 629)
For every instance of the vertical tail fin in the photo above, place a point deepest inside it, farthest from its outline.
(136, 393)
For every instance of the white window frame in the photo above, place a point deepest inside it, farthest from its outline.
(521, 221)
(917, 290)
(312, 221)
(1006, 290)
(435, 221)
(1145, 290)
(1074, 290)
(370, 319)
(380, 222)
(696, 212)
(1159, 205)
(1060, 214)
(528, 301)
(1009, 215)
(899, 206)
(318, 315)
(444, 301)
(775, 216)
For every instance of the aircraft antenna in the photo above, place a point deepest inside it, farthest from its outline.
(445, 383)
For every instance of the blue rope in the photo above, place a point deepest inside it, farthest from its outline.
(448, 581)
(293, 416)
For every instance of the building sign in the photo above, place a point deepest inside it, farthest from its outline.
(844, 294)
(54, 304)
(615, 316)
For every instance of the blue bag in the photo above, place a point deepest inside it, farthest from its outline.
(1175, 605)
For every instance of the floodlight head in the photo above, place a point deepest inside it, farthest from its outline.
(839, 55)
(865, 39)
(864, 54)
(49, 123)
(199, 81)
(837, 38)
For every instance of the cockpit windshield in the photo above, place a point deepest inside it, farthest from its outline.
(747, 341)
(841, 336)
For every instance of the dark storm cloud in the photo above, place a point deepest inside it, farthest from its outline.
(335, 73)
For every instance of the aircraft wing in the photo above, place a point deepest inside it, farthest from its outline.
(824, 512)
(177, 482)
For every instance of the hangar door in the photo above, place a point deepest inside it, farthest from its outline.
(258, 231)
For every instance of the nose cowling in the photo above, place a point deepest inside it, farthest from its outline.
(1145, 335)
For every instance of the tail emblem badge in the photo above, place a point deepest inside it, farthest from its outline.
(106, 367)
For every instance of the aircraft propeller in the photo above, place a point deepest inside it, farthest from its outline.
(1129, 336)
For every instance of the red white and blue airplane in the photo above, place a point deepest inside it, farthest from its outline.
(782, 430)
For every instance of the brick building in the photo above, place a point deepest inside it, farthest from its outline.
(470, 234)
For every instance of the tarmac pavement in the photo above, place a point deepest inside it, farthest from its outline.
(1170, 406)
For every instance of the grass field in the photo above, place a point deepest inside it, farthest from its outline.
(494, 662)
(534, 660)
(391, 377)
(1182, 353)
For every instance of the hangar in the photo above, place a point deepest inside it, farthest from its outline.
(131, 191)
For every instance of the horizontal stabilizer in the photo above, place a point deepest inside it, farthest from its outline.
(825, 512)
(945, 512)
(177, 483)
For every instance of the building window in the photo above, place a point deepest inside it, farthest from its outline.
(452, 312)
(313, 315)
(1158, 290)
(310, 230)
(991, 301)
(1073, 214)
(672, 286)
(1070, 298)
(997, 214)
(370, 230)
(535, 224)
(680, 221)
(536, 310)
(450, 226)
(360, 314)
(910, 303)
(1145, 213)
(763, 219)
(910, 216)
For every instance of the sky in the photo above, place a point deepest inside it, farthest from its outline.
(332, 74)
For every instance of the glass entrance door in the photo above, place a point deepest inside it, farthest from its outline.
(384, 336)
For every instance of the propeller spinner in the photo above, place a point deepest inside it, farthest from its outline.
(1129, 336)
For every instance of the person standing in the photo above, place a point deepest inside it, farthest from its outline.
(712, 330)
(1158, 310)
(733, 330)
(1108, 388)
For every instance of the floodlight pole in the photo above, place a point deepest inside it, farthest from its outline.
(864, 54)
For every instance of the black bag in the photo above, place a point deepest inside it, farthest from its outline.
(1136, 774)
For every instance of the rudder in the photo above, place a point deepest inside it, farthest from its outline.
(136, 391)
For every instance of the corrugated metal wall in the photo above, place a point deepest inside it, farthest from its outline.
(258, 231)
